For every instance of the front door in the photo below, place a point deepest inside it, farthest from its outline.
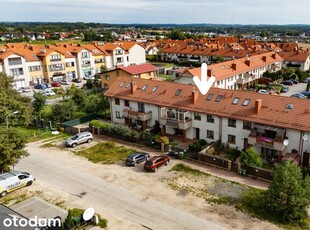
(197, 133)
(245, 143)
(305, 160)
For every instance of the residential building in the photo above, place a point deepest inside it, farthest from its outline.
(236, 74)
(145, 71)
(268, 123)
(296, 59)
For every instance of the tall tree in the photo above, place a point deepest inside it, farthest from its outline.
(12, 145)
(39, 101)
(63, 111)
(288, 195)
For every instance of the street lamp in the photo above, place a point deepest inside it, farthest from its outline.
(7, 118)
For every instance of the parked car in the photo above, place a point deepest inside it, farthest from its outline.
(49, 92)
(294, 81)
(79, 139)
(284, 89)
(306, 93)
(89, 77)
(305, 80)
(39, 86)
(137, 158)
(263, 91)
(299, 95)
(287, 82)
(65, 82)
(56, 84)
(23, 90)
(77, 80)
(155, 162)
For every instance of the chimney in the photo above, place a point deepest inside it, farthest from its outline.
(264, 58)
(273, 56)
(134, 87)
(209, 72)
(234, 66)
(195, 95)
(258, 105)
(248, 62)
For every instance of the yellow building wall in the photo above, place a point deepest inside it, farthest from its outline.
(47, 62)
(113, 75)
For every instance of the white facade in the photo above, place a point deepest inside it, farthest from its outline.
(15, 66)
(85, 64)
(136, 55)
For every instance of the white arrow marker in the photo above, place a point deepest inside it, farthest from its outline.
(204, 84)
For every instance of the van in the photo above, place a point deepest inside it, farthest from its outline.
(13, 180)
(79, 139)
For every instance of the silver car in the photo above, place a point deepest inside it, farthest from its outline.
(79, 139)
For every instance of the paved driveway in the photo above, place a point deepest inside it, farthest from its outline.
(296, 88)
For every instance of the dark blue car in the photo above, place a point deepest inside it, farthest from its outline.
(40, 86)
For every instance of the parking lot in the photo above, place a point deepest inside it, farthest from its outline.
(296, 88)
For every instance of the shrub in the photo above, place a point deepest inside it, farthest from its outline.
(251, 158)
(163, 139)
(203, 142)
(233, 154)
(95, 123)
(145, 135)
(195, 147)
(71, 220)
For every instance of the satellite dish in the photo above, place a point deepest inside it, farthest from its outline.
(285, 142)
(88, 214)
(305, 137)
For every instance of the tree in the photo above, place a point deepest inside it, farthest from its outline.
(12, 145)
(92, 104)
(79, 97)
(218, 59)
(176, 34)
(251, 158)
(287, 197)
(39, 101)
(11, 101)
(63, 111)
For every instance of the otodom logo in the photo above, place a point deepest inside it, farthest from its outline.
(204, 84)
(32, 222)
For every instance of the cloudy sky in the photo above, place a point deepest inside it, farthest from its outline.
(158, 11)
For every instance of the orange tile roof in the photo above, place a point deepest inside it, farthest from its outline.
(224, 70)
(138, 69)
(294, 56)
(273, 111)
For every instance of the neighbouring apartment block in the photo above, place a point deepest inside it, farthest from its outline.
(30, 64)
(269, 123)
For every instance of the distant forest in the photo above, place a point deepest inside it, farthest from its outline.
(38, 27)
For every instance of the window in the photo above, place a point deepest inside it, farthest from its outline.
(178, 92)
(69, 64)
(231, 139)
(127, 103)
(289, 106)
(246, 102)
(17, 72)
(122, 84)
(218, 98)
(231, 122)
(247, 125)
(107, 77)
(118, 114)
(128, 85)
(117, 101)
(197, 116)
(210, 119)
(85, 54)
(210, 134)
(141, 107)
(55, 57)
(144, 87)
(154, 89)
(127, 58)
(236, 100)
(34, 68)
(15, 61)
(138, 75)
(209, 97)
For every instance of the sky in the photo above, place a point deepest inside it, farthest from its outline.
(158, 11)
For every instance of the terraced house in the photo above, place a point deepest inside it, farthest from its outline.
(273, 125)
(238, 73)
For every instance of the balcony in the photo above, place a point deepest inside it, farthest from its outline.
(137, 115)
(261, 138)
(246, 79)
(178, 124)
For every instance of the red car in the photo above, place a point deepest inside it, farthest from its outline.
(155, 162)
(56, 84)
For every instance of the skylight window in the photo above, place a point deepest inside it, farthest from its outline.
(128, 85)
(144, 87)
(236, 100)
(154, 89)
(246, 102)
(218, 98)
(178, 92)
(289, 106)
(122, 84)
(209, 97)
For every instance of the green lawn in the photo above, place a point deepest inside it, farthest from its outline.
(35, 134)
(105, 153)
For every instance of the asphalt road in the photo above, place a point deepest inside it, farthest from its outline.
(61, 171)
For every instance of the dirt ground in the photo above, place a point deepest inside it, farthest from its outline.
(164, 186)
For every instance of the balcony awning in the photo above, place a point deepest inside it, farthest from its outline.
(264, 127)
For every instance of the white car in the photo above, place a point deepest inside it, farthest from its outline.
(23, 90)
(49, 92)
(263, 91)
